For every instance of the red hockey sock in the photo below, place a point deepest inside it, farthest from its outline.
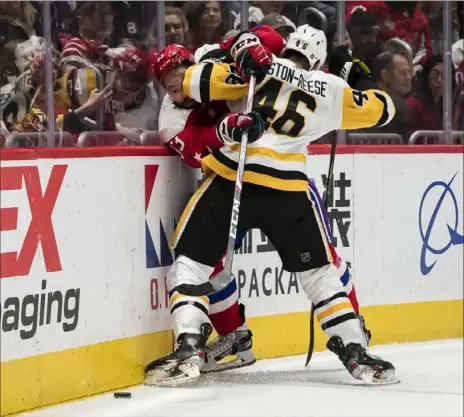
(354, 299)
(228, 320)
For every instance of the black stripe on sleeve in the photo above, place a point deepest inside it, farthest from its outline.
(384, 117)
(205, 82)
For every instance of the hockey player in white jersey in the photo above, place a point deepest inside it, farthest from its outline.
(298, 104)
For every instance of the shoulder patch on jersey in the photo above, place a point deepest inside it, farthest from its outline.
(233, 78)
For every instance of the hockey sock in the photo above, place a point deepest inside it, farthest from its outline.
(223, 309)
(349, 288)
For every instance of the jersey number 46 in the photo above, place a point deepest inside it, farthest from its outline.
(291, 122)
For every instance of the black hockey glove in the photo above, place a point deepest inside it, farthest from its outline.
(343, 65)
(231, 126)
(250, 56)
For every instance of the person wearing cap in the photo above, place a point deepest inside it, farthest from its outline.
(279, 23)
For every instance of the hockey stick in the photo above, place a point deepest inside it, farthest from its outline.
(327, 195)
(222, 279)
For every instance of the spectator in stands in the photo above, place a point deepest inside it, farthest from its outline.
(175, 26)
(206, 22)
(458, 99)
(457, 54)
(26, 112)
(133, 87)
(391, 73)
(332, 42)
(268, 7)
(21, 113)
(362, 29)
(401, 19)
(129, 28)
(8, 69)
(284, 8)
(17, 21)
(433, 11)
(426, 102)
(279, 23)
(90, 29)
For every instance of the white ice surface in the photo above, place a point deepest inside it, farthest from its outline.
(431, 385)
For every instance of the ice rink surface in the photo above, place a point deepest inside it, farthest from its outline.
(431, 385)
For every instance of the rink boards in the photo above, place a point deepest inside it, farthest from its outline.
(84, 255)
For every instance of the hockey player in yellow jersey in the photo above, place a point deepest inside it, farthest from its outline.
(294, 105)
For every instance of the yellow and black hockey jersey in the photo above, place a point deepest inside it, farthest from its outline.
(297, 106)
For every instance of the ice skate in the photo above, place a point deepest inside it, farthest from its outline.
(361, 365)
(184, 364)
(230, 351)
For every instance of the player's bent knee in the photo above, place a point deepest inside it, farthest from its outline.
(187, 271)
(317, 283)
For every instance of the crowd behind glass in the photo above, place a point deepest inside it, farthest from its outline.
(64, 74)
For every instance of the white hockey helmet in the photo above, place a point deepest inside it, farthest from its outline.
(310, 42)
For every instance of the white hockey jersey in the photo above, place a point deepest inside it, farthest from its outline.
(297, 106)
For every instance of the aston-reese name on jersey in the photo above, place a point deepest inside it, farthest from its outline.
(297, 106)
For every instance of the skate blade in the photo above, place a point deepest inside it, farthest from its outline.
(225, 366)
(188, 372)
(387, 378)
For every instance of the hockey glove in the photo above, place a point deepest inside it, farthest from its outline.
(343, 65)
(251, 57)
(231, 126)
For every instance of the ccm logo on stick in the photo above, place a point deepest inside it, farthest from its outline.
(40, 230)
(235, 214)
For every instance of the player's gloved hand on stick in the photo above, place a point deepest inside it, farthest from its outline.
(231, 126)
(251, 57)
(343, 65)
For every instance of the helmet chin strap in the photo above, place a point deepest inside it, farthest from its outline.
(316, 66)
